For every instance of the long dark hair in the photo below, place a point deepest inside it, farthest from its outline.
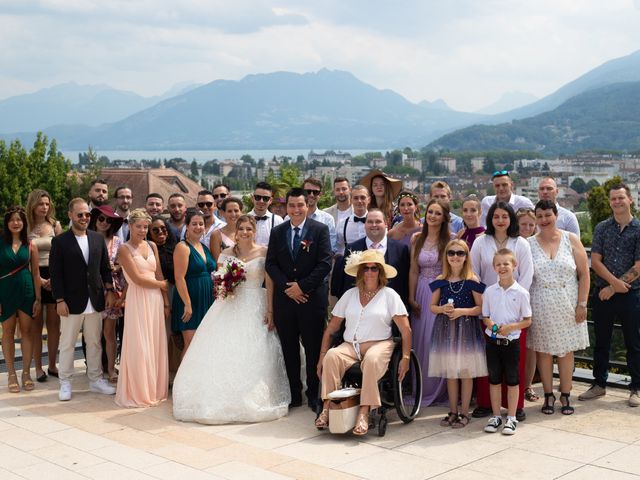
(171, 238)
(513, 231)
(6, 233)
(443, 236)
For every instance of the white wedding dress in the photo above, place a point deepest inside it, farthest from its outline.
(234, 369)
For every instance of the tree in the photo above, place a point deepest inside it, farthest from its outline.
(246, 158)
(194, 169)
(579, 185)
(81, 182)
(592, 184)
(488, 165)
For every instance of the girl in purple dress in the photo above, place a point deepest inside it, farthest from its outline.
(471, 212)
(457, 345)
(403, 230)
(427, 250)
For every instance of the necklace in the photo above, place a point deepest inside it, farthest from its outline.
(369, 295)
(452, 290)
(500, 244)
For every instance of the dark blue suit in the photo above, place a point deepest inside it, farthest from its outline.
(397, 255)
(309, 266)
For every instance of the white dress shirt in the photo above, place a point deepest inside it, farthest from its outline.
(516, 201)
(567, 220)
(206, 238)
(353, 231)
(382, 246)
(83, 243)
(263, 227)
(324, 217)
(484, 247)
(293, 231)
(504, 307)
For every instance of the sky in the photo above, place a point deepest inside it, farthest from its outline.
(466, 52)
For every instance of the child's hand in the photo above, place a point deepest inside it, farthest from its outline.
(504, 330)
(455, 313)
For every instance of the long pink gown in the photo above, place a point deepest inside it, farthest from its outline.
(144, 366)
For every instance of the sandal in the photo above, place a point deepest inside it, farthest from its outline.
(530, 395)
(549, 400)
(362, 424)
(449, 420)
(113, 379)
(13, 383)
(566, 409)
(322, 421)
(462, 421)
(27, 383)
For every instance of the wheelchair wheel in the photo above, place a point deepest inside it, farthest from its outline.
(408, 393)
(382, 426)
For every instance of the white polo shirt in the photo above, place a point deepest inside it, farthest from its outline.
(506, 306)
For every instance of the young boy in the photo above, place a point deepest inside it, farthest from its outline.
(505, 311)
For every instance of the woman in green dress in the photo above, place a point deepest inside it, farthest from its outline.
(19, 293)
(192, 265)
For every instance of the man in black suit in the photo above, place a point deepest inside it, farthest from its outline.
(396, 254)
(80, 274)
(298, 261)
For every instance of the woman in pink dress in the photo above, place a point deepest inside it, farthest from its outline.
(144, 365)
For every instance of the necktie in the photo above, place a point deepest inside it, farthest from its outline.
(296, 240)
(259, 219)
(375, 245)
(359, 219)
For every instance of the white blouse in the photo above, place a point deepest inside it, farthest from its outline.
(484, 247)
(372, 322)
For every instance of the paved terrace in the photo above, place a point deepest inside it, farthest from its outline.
(89, 437)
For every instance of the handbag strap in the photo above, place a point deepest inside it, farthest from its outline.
(17, 269)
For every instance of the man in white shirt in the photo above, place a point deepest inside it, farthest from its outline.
(503, 186)
(548, 190)
(352, 227)
(207, 206)
(123, 205)
(220, 192)
(265, 220)
(313, 188)
(342, 192)
(442, 191)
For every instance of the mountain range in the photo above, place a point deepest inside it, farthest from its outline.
(326, 109)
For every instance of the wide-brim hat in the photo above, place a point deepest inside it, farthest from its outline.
(109, 212)
(396, 183)
(368, 256)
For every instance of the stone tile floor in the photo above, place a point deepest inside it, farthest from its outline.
(89, 437)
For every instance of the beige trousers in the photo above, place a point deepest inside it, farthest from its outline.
(375, 362)
(91, 325)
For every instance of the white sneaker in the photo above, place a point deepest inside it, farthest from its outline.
(493, 424)
(634, 399)
(64, 395)
(509, 427)
(102, 386)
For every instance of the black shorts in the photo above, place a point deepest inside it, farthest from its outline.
(503, 361)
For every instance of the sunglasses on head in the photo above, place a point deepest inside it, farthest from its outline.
(499, 173)
(264, 198)
(312, 192)
(456, 253)
(205, 204)
(374, 269)
(158, 230)
(216, 196)
(102, 218)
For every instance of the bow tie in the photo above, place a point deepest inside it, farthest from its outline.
(359, 219)
(258, 219)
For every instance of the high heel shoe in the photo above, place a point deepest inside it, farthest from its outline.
(322, 421)
(27, 383)
(566, 408)
(13, 385)
(362, 424)
(549, 400)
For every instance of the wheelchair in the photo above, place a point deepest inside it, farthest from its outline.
(405, 397)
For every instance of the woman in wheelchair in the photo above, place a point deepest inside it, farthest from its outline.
(368, 308)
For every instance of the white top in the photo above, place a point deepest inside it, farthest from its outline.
(567, 221)
(327, 219)
(342, 214)
(83, 243)
(382, 247)
(504, 307)
(370, 323)
(354, 231)
(206, 238)
(516, 201)
(263, 227)
(484, 247)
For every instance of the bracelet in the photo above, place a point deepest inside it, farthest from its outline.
(323, 351)
(582, 304)
(406, 357)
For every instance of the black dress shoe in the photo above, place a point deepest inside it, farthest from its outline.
(481, 412)
(521, 416)
(295, 403)
(313, 405)
(51, 373)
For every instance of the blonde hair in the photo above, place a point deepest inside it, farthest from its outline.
(139, 214)
(524, 212)
(504, 252)
(32, 202)
(382, 276)
(467, 272)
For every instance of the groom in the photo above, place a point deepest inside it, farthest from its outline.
(298, 261)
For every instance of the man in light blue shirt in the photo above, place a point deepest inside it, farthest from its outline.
(567, 220)
(313, 187)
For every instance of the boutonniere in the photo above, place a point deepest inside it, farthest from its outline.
(306, 244)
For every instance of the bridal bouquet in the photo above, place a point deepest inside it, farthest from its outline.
(231, 273)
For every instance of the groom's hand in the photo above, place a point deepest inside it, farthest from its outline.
(295, 293)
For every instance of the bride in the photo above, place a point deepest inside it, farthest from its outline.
(234, 370)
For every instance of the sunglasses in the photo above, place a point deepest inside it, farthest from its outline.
(315, 193)
(263, 198)
(499, 173)
(216, 196)
(158, 230)
(456, 253)
(83, 215)
(102, 218)
(205, 204)
(374, 269)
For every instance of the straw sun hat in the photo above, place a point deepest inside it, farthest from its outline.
(396, 184)
(368, 256)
